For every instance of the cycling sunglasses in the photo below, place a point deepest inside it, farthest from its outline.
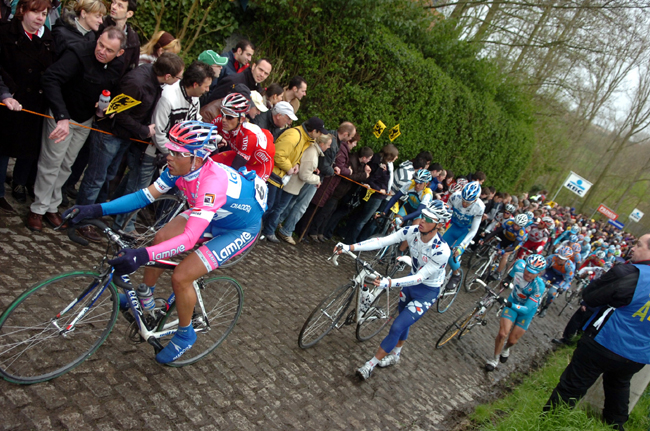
(227, 116)
(176, 154)
(428, 219)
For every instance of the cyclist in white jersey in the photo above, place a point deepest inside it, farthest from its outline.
(420, 289)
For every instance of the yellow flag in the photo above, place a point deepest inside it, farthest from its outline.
(378, 129)
(120, 103)
(394, 133)
(395, 208)
(369, 193)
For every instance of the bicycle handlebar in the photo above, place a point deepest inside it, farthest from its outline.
(334, 258)
(117, 279)
(112, 236)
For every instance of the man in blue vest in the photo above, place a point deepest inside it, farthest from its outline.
(616, 340)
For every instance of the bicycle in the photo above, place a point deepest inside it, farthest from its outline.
(58, 323)
(572, 293)
(482, 267)
(472, 317)
(370, 321)
(446, 296)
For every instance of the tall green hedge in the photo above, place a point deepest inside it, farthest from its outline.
(383, 60)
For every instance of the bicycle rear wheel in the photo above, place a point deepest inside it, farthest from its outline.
(36, 341)
(377, 316)
(223, 299)
(326, 315)
(149, 220)
(457, 326)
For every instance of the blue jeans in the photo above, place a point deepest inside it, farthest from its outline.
(368, 209)
(280, 201)
(296, 208)
(106, 152)
(141, 170)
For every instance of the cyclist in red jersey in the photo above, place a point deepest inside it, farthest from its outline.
(249, 145)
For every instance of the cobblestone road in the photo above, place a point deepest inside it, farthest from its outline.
(258, 378)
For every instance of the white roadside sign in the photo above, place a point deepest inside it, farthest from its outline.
(636, 215)
(577, 184)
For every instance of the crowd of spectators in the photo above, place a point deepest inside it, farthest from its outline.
(324, 181)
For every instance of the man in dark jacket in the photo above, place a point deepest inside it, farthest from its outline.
(72, 87)
(106, 150)
(121, 11)
(239, 58)
(616, 340)
(251, 77)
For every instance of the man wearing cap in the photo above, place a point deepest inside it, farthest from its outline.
(276, 119)
(249, 145)
(288, 151)
(216, 62)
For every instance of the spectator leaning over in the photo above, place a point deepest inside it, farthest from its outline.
(328, 171)
(72, 87)
(288, 151)
(378, 180)
(144, 83)
(257, 105)
(337, 204)
(121, 11)
(250, 77)
(302, 186)
(26, 51)
(180, 102)
(78, 23)
(238, 59)
(273, 94)
(616, 340)
(159, 43)
(295, 91)
(276, 119)
(406, 169)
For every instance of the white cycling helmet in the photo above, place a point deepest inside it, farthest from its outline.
(521, 220)
(437, 210)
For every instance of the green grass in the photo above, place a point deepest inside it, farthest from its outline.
(521, 409)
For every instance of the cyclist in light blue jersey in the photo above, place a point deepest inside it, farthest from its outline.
(521, 305)
(575, 230)
(467, 212)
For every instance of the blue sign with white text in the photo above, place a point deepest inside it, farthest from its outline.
(616, 224)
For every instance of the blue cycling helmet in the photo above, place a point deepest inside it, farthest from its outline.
(576, 248)
(471, 191)
(422, 176)
(581, 237)
(535, 263)
(573, 238)
(575, 229)
(565, 252)
(194, 137)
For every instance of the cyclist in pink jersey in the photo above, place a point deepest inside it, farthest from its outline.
(226, 212)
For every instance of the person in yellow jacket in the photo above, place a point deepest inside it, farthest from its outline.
(288, 151)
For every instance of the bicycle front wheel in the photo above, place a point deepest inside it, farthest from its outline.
(47, 330)
(223, 301)
(326, 315)
(377, 316)
(446, 298)
(457, 326)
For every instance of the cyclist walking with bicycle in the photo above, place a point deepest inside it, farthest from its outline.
(560, 271)
(520, 307)
(512, 233)
(226, 212)
(467, 213)
(420, 289)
